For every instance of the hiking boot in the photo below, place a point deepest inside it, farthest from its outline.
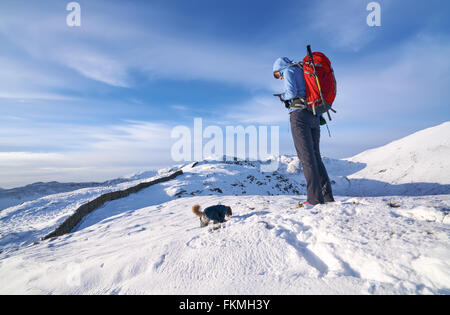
(305, 205)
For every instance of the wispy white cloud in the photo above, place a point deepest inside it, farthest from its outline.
(25, 95)
(97, 152)
(97, 66)
(341, 23)
(409, 78)
(24, 80)
(151, 49)
(179, 107)
(258, 110)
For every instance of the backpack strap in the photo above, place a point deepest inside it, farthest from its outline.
(299, 64)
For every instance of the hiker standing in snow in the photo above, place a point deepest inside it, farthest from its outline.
(305, 127)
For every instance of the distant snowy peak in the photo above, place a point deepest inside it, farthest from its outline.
(16, 196)
(422, 157)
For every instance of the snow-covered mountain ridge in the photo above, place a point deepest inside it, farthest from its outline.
(393, 242)
(415, 165)
(15, 196)
(423, 157)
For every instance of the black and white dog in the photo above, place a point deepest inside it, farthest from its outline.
(216, 213)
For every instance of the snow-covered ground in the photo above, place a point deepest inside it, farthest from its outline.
(387, 233)
(358, 245)
(28, 222)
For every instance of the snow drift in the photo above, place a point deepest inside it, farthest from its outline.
(420, 160)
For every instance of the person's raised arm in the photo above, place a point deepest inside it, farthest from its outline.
(290, 86)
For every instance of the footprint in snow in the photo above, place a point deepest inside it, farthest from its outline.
(192, 241)
(266, 225)
(159, 262)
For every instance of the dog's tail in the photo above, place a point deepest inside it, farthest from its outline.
(196, 210)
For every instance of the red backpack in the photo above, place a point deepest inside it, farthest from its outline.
(319, 95)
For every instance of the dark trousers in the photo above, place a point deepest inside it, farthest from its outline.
(306, 133)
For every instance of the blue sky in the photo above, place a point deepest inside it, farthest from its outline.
(100, 101)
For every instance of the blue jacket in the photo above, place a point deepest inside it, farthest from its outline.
(294, 80)
(216, 213)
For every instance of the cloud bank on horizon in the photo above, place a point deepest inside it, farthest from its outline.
(93, 102)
